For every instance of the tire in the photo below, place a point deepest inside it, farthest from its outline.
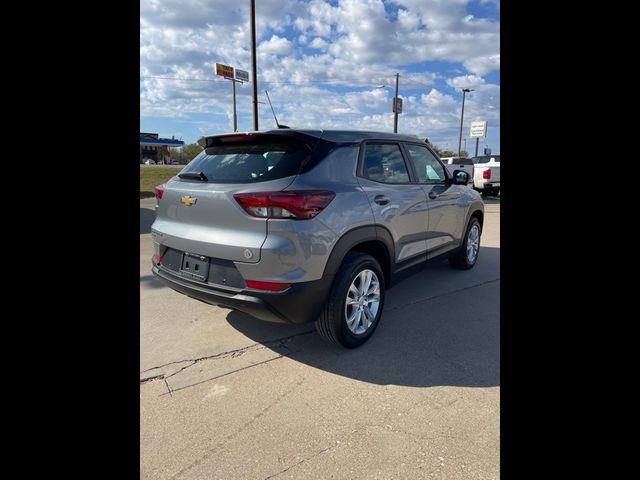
(463, 259)
(332, 324)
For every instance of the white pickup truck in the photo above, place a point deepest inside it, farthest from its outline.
(459, 163)
(486, 177)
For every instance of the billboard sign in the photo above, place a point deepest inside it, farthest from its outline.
(224, 70)
(478, 129)
(242, 75)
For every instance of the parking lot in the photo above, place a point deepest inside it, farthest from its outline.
(225, 396)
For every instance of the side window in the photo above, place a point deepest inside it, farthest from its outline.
(429, 169)
(383, 162)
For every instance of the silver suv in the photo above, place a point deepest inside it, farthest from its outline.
(303, 225)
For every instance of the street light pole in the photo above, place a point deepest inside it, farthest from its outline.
(252, 8)
(395, 107)
(464, 91)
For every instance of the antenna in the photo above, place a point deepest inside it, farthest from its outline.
(274, 113)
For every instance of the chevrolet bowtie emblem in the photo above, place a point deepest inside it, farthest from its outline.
(188, 200)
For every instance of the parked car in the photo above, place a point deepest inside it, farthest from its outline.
(486, 178)
(459, 163)
(148, 161)
(311, 226)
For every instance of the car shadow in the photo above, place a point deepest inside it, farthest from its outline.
(147, 217)
(440, 327)
(151, 281)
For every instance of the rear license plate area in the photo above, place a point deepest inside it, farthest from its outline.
(195, 267)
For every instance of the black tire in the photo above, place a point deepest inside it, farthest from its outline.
(332, 322)
(489, 192)
(460, 261)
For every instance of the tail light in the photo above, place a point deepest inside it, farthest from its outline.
(293, 204)
(270, 286)
(157, 259)
(486, 174)
(159, 191)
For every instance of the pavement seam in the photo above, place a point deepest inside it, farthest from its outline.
(237, 432)
(300, 462)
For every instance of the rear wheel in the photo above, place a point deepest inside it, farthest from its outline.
(354, 307)
(468, 254)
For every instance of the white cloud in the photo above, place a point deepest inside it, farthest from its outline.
(319, 43)
(352, 44)
(463, 81)
(484, 64)
(276, 45)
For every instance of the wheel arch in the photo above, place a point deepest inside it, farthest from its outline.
(372, 240)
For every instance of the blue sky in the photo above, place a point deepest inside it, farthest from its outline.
(322, 62)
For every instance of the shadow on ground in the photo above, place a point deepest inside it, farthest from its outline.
(147, 217)
(439, 327)
(151, 281)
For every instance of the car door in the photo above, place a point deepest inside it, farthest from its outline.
(398, 203)
(445, 209)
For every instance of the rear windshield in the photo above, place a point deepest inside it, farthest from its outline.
(486, 159)
(462, 161)
(250, 162)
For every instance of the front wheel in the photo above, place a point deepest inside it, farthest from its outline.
(354, 307)
(468, 254)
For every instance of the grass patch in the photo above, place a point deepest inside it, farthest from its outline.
(152, 175)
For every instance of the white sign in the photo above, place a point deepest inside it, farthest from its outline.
(242, 75)
(478, 129)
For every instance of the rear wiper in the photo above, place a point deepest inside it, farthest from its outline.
(194, 176)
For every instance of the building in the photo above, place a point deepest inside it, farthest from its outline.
(157, 149)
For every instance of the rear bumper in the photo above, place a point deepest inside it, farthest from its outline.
(301, 303)
(485, 185)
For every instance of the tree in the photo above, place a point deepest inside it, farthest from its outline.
(186, 153)
(448, 153)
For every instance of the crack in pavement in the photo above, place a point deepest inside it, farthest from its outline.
(441, 295)
(227, 373)
(301, 462)
(229, 354)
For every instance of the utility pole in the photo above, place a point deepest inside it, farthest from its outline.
(395, 107)
(252, 8)
(464, 91)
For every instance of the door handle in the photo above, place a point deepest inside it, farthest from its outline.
(433, 195)
(381, 199)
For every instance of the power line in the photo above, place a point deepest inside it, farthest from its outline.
(287, 82)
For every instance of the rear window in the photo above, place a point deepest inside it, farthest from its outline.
(462, 161)
(259, 160)
(486, 159)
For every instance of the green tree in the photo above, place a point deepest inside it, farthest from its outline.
(186, 153)
(449, 153)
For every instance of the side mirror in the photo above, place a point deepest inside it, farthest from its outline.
(460, 177)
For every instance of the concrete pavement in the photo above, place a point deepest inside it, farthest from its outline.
(226, 396)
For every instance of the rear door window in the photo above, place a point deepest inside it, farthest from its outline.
(383, 162)
(486, 159)
(462, 161)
